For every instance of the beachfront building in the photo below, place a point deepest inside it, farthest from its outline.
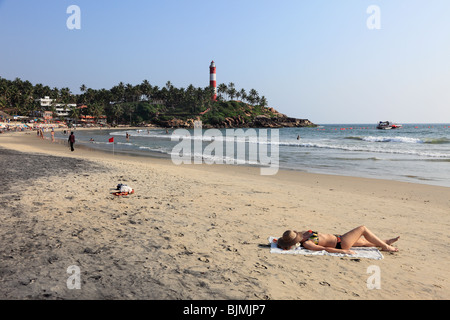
(45, 102)
(62, 110)
(46, 115)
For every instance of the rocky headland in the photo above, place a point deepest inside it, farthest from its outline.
(235, 114)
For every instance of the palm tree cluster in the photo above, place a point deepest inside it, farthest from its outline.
(123, 103)
(20, 96)
(252, 97)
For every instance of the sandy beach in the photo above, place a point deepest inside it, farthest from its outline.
(200, 231)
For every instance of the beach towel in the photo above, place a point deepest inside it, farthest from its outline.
(368, 253)
(123, 193)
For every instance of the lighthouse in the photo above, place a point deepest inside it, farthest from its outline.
(212, 79)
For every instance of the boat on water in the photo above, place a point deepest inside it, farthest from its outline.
(387, 125)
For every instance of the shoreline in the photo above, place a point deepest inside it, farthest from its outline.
(200, 231)
(406, 177)
(285, 172)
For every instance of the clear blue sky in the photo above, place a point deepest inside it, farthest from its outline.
(312, 59)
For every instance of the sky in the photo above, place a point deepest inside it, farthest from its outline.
(329, 61)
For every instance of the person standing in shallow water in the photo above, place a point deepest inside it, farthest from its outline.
(71, 141)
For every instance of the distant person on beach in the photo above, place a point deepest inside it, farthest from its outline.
(298, 137)
(71, 141)
(53, 135)
(127, 136)
(311, 240)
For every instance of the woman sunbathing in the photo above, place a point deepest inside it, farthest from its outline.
(358, 237)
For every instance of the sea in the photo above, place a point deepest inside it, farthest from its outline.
(418, 153)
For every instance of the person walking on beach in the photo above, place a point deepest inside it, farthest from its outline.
(53, 135)
(312, 240)
(71, 141)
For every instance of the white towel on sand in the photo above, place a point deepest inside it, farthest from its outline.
(369, 253)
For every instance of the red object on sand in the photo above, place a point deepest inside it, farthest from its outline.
(123, 193)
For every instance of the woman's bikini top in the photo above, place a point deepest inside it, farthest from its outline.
(314, 236)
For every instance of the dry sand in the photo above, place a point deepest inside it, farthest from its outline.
(200, 232)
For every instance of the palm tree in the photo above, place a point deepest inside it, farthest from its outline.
(75, 113)
(116, 110)
(222, 88)
(137, 93)
(263, 102)
(243, 94)
(96, 110)
(238, 95)
(38, 90)
(231, 90)
(129, 108)
(54, 93)
(253, 96)
(83, 89)
(146, 89)
(118, 92)
(169, 85)
(104, 97)
(46, 92)
(129, 92)
(205, 97)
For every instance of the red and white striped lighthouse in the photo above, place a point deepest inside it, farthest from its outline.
(212, 79)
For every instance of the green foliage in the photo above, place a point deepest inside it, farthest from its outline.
(137, 104)
(236, 110)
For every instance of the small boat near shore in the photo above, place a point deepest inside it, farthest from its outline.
(387, 125)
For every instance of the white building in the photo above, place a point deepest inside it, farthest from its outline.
(45, 102)
(61, 110)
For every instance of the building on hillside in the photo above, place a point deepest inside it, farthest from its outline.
(45, 101)
(62, 112)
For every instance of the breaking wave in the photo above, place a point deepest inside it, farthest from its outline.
(401, 139)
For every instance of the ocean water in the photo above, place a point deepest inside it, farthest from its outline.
(418, 153)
